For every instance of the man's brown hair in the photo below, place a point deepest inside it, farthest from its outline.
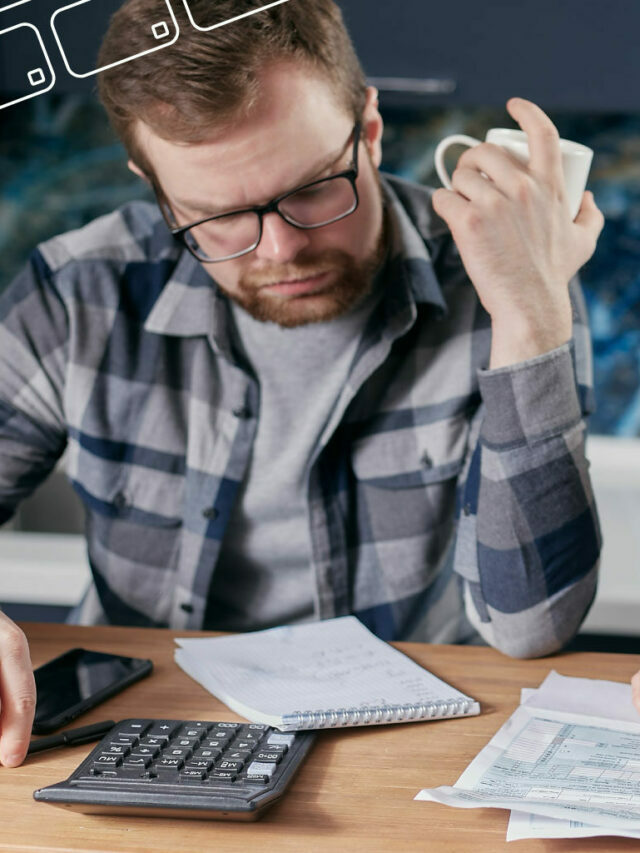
(208, 79)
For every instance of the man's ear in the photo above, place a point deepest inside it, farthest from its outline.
(137, 170)
(372, 126)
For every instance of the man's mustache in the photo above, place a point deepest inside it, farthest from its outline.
(295, 271)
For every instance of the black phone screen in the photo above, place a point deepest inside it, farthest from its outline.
(77, 680)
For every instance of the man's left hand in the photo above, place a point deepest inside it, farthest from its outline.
(516, 238)
(635, 690)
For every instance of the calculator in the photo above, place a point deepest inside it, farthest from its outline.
(183, 768)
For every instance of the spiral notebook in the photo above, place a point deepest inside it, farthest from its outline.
(319, 674)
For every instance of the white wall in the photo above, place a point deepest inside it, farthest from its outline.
(615, 473)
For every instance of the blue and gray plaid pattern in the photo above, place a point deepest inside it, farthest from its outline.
(443, 498)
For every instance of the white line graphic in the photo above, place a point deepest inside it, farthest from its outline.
(13, 5)
(158, 33)
(229, 20)
(35, 76)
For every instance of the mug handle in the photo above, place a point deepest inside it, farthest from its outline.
(455, 139)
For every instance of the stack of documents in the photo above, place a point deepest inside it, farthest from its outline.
(567, 763)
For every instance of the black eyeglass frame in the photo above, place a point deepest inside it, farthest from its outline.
(179, 232)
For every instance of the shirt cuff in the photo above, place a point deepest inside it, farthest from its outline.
(530, 401)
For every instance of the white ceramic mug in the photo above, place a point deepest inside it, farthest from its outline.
(576, 159)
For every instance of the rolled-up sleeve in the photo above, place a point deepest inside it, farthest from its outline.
(529, 538)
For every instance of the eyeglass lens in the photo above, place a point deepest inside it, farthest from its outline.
(309, 207)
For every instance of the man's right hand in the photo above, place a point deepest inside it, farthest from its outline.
(17, 693)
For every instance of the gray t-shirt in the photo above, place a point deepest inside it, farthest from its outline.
(263, 576)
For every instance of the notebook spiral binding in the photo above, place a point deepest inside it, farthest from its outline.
(376, 714)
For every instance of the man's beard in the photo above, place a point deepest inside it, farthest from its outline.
(352, 282)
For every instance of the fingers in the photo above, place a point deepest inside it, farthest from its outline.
(470, 184)
(590, 216)
(544, 148)
(450, 205)
(635, 690)
(17, 694)
(504, 171)
(591, 222)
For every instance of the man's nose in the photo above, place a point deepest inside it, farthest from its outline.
(280, 241)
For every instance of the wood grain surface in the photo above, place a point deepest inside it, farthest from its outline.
(355, 790)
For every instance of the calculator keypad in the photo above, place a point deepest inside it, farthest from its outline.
(173, 753)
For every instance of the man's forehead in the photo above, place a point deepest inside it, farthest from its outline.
(290, 95)
(246, 171)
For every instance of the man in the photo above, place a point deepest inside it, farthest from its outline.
(303, 389)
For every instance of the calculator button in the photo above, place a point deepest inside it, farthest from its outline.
(254, 737)
(216, 743)
(235, 766)
(133, 728)
(194, 731)
(200, 764)
(270, 757)
(280, 739)
(144, 749)
(249, 745)
(164, 774)
(259, 778)
(191, 774)
(152, 740)
(131, 771)
(221, 734)
(125, 740)
(237, 754)
(163, 728)
(117, 749)
(261, 768)
(138, 760)
(105, 760)
(186, 742)
(222, 776)
(169, 763)
(255, 730)
(183, 754)
(209, 754)
(228, 725)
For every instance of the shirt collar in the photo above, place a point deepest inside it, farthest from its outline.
(413, 231)
(189, 304)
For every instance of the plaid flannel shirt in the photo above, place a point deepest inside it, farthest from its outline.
(443, 498)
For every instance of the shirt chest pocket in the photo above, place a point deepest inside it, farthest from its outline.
(131, 493)
(415, 456)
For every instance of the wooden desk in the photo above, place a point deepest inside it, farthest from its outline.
(355, 791)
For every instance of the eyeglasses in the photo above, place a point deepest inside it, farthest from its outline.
(230, 235)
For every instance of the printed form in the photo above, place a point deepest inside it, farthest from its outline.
(570, 752)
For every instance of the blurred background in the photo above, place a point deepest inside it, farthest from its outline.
(440, 69)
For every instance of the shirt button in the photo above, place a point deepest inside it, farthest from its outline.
(120, 500)
(210, 512)
(426, 460)
(242, 412)
(188, 608)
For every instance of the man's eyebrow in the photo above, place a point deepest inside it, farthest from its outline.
(306, 178)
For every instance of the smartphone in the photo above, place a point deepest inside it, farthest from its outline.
(70, 684)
